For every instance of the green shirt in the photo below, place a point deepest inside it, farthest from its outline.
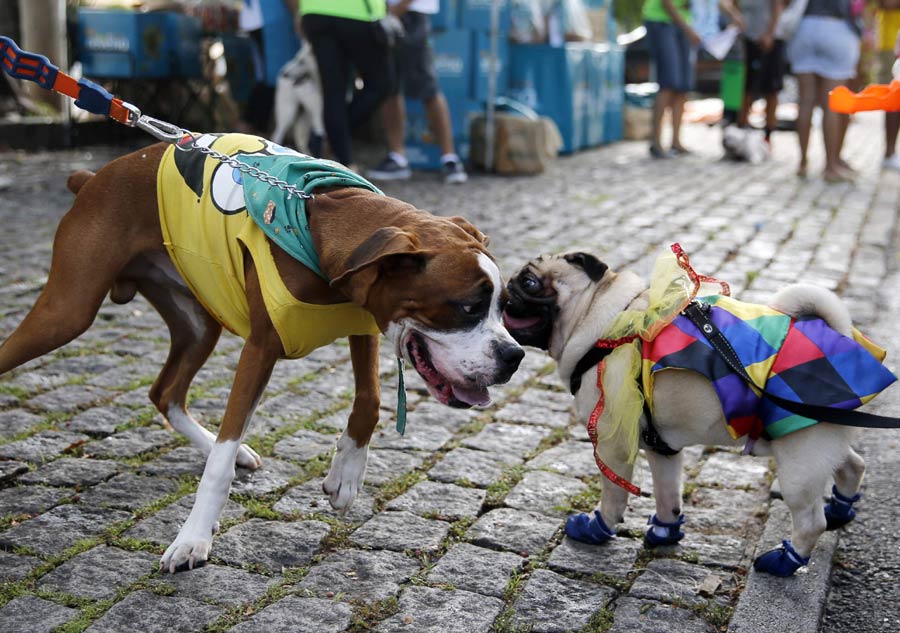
(655, 12)
(364, 10)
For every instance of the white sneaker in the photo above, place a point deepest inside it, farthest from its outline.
(892, 162)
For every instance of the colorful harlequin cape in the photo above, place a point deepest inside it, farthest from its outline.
(802, 360)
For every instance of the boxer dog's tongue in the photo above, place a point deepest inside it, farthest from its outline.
(453, 395)
(472, 396)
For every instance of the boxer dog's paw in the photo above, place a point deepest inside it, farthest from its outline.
(248, 458)
(345, 478)
(190, 547)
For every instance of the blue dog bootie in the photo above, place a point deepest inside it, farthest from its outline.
(662, 533)
(586, 529)
(783, 561)
(839, 509)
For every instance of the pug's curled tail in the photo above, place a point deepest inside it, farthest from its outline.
(806, 300)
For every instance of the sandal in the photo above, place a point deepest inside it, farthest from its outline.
(586, 529)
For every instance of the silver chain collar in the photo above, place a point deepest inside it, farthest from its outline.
(170, 133)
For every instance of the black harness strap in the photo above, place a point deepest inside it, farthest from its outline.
(649, 434)
(594, 357)
(698, 313)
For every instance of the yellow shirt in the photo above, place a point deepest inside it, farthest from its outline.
(206, 230)
(888, 26)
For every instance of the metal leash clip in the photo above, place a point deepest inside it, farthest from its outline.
(161, 130)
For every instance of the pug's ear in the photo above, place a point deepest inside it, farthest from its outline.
(469, 228)
(388, 251)
(593, 267)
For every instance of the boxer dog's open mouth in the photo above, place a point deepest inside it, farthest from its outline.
(447, 392)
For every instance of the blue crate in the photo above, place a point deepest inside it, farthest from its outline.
(597, 69)
(476, 15)
(481, 56)
(461, 113)
(427, 156)
(452, 62)
(554, 82)
(124, 44)
(184, 33)
(447, 16)
(279, 38)
(241, 69)
(614, 122)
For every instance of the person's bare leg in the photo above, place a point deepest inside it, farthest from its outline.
(771, 111)
(743, 117)
(806, 84)
(678, 101)
(439, 119)
(833, 129)
(393, 117)
(660, 105)
(891, 128)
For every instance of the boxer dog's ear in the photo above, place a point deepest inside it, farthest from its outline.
(388, 251)
(466, 226)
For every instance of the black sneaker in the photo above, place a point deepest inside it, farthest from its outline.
(389, 169)
(454, 173)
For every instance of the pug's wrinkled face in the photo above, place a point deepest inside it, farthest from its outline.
(544, 291)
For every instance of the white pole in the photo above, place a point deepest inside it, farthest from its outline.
(492, 87)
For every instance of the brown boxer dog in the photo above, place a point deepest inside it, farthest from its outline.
(427, 283)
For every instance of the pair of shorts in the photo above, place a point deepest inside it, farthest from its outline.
(671, 55)
(824, 46)
(413, 60)
(765, 69)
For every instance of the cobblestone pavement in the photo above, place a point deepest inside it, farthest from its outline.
(460, 523)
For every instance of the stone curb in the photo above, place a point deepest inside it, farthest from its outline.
(795, 604)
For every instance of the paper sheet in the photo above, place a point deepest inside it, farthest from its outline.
(719, 44)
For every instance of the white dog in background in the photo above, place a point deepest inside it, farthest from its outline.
(298, 101)
(744, 144)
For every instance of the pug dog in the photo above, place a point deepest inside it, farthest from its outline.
(564, 304)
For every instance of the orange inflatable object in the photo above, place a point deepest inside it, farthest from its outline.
(874, 97)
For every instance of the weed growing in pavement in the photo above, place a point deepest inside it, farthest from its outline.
(365, 615)
(600, 622)
(497, 491)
